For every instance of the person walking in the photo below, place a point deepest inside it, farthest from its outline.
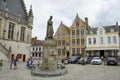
(104, 59)
(15, 64)
(1, 64)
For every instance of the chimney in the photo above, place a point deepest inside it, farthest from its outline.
(86, 22)
(118, 27)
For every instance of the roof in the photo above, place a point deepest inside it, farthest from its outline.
(39, 43)
(14, 7)
(67, 29)
(107, 29)
(77, 18)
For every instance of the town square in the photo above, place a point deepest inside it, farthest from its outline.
(45, 40)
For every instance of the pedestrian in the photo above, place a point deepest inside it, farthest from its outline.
(1, 64)
(28, 62)
(104, 59)
(15, 64)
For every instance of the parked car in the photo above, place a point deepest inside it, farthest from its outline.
(35, 63)
(96, 60)
(82, 60)
(60, 65)
(112, 61)
(73, 59)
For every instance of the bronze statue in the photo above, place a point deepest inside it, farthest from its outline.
(50, 32)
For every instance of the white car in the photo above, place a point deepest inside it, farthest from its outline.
(60, 66)
(96, 60)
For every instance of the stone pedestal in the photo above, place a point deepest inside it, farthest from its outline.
(49, 56)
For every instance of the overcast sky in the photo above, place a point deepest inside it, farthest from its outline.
(106, 12)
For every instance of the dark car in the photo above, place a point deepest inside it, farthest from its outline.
(73, 59)
(112, 61)
(82, 60)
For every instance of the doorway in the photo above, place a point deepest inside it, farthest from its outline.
(24, 56)
(68, 54)
(101, 53)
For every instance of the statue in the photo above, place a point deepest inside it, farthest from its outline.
(50, 32)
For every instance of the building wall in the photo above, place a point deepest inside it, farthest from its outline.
(17, 46)
(80, 29)
(107, 47)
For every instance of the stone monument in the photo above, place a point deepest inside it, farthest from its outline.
(49, 65)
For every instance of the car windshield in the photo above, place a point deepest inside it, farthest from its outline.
(111, 59)
(73, 57)
(96, 58)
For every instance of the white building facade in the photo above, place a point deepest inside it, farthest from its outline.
(103, 41)
(37, 51)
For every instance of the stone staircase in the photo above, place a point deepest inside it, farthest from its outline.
(5, 51)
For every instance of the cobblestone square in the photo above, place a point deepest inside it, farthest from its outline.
(75, 72)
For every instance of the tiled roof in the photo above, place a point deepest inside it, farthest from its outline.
(67, 29)
(107, 29)
(38, 44)
(14, 7)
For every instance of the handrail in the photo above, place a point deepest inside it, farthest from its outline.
(4, 50)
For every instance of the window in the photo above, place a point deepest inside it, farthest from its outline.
(73, 41)
(82, 41)
(77, 32)
(59, 51)
(39, 48)
(78, 41)
(100, 32)
(33, 49)
(11, 30)
(59, 42)
(36, 54)
(111, 30)
(109, 39)
(82, 31)
(63, 42)
(77, 24)
(78, 50)
(89, 40)
(73, 50)
(33, 54)
(73, 32)
(36, 48)
(22, 36)
(94, 40)
(63, 51)
(101, 40)
(114, 39)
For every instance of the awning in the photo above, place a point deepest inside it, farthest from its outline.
(87, 49)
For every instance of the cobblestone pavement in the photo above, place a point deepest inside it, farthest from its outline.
(75, 72)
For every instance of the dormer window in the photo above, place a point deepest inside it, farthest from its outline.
(91, 32)
(111, 30)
